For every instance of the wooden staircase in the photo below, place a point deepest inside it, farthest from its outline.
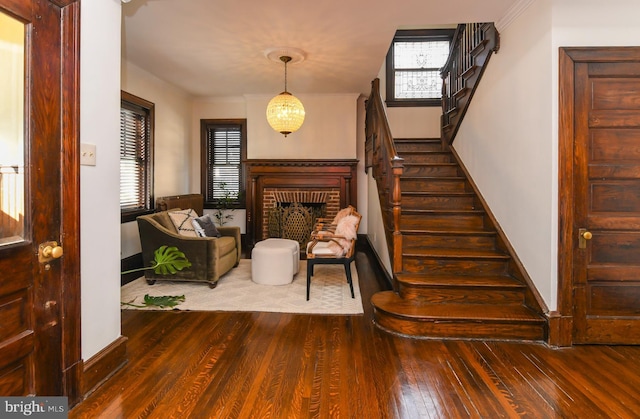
(457, 278)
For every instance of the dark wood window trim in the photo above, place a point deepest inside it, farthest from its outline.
(206, 125)
(415, 35)
(146, 108)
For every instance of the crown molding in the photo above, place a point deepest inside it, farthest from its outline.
(513, 13)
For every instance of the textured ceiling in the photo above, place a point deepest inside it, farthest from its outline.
(216, 47)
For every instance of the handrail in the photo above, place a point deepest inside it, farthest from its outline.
(471, 48)
(387, 166)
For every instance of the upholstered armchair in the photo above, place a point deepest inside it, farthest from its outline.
(210, 257)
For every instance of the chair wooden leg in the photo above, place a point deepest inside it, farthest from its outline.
(309, 275)
(347, 270)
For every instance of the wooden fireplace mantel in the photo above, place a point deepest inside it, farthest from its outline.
(295, 174)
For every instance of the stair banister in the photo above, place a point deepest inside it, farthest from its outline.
(387, 166)
(471, 47)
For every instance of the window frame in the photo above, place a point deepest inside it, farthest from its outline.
(205, 126)
(128, 215)
(412, 35)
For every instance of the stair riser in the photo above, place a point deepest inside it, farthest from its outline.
(439, 222)
(402, 146)
(465, 267)
(448, 241)
(460, 329)
(438, 202)
(431, 170)
(460, 295)
(427, 158)
(432, 185)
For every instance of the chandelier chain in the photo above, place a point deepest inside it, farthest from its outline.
(285, 59)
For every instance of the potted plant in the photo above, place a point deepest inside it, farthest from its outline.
(225, 205)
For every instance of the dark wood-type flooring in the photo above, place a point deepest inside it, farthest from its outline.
(270, 365)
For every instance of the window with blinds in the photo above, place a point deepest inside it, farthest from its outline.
(413, 67)
(136, 156)
(224, 149)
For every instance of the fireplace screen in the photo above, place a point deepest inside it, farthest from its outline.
(294, 221)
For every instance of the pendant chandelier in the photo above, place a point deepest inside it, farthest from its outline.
(285, 112)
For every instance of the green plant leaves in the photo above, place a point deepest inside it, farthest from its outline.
(163, 301)
(169, 260)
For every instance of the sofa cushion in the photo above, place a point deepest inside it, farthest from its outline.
(182, 220)
(205, 227)
(226, 244)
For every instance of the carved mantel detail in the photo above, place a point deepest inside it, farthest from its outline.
(298, 175)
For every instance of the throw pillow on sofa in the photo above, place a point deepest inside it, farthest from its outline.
(181, 219)
(205, 227)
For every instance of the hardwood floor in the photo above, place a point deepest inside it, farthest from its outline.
(269, 365)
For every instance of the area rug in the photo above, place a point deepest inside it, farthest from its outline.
(330, 292)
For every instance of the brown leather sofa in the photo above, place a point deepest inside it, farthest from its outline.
(210, 257)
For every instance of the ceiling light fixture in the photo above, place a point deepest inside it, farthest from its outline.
(285, 112)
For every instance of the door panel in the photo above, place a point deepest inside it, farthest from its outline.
(606, 277)
(16, 287)
(30, 292)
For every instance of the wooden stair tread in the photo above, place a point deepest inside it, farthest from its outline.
(392, 304)
(417, 140)
(428, 164)
(452, 178)
(436, 252)
(438, 193)
(442, 212)
(449, 231)
(494, 281)
(422, 152)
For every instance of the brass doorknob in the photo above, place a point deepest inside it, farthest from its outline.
(586, 235)
(52, 252)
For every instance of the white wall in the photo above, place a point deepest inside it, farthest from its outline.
(173, 164)
(172, 134)
(509, 138)
(505, 141)
(375, 226)
(410, 122)
(328, 132)
(331, 130)
(99, 184)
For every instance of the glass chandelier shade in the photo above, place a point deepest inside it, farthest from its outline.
(285, 112)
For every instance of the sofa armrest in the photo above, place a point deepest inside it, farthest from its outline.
(233, 231)
(198, 250)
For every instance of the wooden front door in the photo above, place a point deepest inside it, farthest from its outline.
(606, 183)
(39, 292)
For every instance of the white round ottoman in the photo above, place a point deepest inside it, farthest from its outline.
(275, 261)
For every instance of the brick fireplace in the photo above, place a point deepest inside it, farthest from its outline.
(271, 183)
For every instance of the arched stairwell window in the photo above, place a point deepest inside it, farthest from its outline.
(413, 67)
(224, 150)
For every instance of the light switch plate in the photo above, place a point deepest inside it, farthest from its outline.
(88, 154)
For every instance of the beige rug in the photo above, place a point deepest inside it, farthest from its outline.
(330, 292)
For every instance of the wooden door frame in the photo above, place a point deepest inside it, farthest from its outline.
(72, 365)
(561, 321)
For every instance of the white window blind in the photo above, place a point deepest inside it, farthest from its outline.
(134, 158)
(224, 159)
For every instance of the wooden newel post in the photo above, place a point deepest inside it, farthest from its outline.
(398, 169)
